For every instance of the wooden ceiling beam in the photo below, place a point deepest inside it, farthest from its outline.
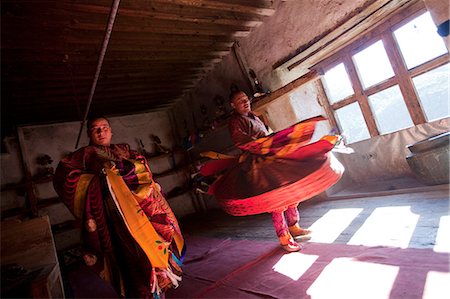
(19, 43)
(87, 36)
(30, 27)
(260, 7)
(63, 72)
(23, 24)
(76, 40)
(204, 59)
(31, 79)
(148, 25)
(103, 99)
(264, 8)
(176, 42)
(178, 52)
(101, 92)
(86, 66)
(104, 86)
(178, 29)
(170, 12)
(170, 51)
(60, 80)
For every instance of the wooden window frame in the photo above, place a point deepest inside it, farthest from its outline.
(402, 76)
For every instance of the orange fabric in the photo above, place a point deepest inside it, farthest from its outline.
(137, 222)
(80, 195)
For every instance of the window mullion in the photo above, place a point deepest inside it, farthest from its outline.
(361, 97)
(347, 101)
(381, 86)
(404, 79)
(326, 105)
(437, 62)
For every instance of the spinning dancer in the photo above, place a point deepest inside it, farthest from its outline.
(274, 173)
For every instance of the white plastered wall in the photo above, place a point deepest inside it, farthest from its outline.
(384, 157)
(58, 139)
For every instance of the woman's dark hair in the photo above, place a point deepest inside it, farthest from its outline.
(91, 121)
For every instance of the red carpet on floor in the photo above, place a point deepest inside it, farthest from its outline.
(217, 268)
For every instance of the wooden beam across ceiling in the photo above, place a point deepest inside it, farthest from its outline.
(252, 7)
(158, 51)
(171, 12)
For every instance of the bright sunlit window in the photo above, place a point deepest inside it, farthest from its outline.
(373, 64)
(393, 78)
(352, 124)
(419, 41)
(390, 110)
(337, 83)
(433, 90)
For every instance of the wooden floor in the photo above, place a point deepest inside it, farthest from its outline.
(405, 218)
(416, 218)
(390, 242)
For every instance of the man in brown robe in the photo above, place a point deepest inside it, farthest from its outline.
(244, 127)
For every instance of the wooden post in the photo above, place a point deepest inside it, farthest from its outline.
(29, 185)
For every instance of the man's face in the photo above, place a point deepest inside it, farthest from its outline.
(100, 132)
(241, 103)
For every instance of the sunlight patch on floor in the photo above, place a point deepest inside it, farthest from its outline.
(295, 264)
(330, 226)
(387, 226)
(442, 236)
(346, 278)
(437, 285)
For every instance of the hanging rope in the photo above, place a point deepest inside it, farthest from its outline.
(112, 17)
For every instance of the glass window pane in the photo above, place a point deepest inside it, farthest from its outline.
(352, 124)
(390, 110)
(419, 41)
(373, 64)
(433, 90)
(337, 84)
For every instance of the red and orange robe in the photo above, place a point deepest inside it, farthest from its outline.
(267, 163)
(130, 235)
